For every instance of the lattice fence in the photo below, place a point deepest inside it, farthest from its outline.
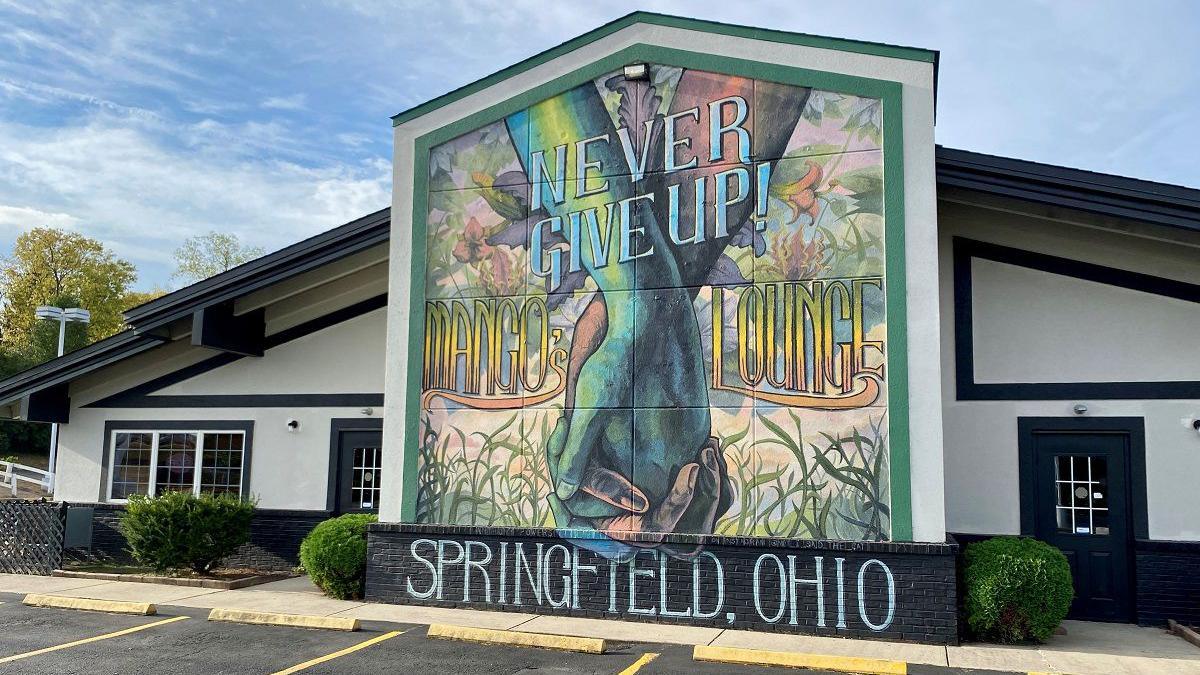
(31, 536)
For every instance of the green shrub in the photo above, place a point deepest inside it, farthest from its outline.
(335, 555)
(1018, 589)
(181, 530)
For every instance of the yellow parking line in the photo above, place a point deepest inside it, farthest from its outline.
(342, 652)
(105, 636)
(637, 665)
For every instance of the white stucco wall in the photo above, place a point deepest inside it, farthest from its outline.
(982, 489)
(1076, 330)
(345, 358)
(288, 470)
(916, 78)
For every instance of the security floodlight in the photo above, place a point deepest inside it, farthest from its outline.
(636, 71)
(78, 315)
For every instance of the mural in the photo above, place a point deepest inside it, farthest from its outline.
(657, 306)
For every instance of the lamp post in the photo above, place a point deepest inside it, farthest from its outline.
(64, 316)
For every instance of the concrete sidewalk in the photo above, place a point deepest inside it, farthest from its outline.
(1117, 649)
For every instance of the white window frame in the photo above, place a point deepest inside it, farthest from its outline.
(155, 434)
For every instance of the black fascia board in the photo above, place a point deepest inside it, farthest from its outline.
(79, 362)
(1104, 194)
(355, 236)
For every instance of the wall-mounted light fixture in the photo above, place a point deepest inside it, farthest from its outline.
(636, 71)
(367, 411)
(1080, 409)
(293, 425)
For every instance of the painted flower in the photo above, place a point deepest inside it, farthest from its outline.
(801, 195)
(798, 259)
(498, 274)
(471, 247)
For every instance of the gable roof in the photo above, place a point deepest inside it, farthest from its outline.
(355, 236)
(326, 247)
(671, 21)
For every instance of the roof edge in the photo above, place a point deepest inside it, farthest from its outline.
(1146, 201)
(222, 284)
(671, 21)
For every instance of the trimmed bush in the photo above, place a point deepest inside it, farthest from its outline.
(181, 530)
(335, 555)
(1018, 589)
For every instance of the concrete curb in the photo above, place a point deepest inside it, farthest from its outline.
(290, 620)
(517, 638)
(110, 606)
(760, 657)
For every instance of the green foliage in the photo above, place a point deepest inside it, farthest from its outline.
(181, 530)
(335, 555)
(49, 266)
(203, 256)
(1018, 589)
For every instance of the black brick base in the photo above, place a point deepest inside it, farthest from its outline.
(891, 591)
(275, 537)
(1168, 582)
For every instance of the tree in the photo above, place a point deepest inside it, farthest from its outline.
(204, 255)
(53, 267)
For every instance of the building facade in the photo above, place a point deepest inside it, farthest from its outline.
(687, 322)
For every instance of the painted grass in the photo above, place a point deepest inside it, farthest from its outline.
(504, 483)
(831, 486)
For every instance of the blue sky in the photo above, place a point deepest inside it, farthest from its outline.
(141, 125)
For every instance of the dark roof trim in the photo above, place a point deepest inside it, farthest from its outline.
(651, 18)
(313, 252)
(79, 362)
(1105, 194)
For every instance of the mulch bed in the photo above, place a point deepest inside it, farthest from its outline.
(221, 578)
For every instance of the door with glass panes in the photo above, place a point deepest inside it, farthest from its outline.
(360, 457)
(1082, 508)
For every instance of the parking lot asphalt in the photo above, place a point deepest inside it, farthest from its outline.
(181, 640)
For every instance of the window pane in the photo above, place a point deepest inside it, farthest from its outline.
(221, 464)
(1081, 483)
(364, 487)
(176, 463)
(131, 464)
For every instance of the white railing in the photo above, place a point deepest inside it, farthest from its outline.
(12, 473)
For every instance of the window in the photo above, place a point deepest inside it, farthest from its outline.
(156, 462)
(364, 487)
(1082, 486)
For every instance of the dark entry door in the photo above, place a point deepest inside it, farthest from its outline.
(1082, 507)
(360, 458)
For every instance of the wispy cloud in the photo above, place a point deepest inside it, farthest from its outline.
(293, 102)
(17, 219)
(142, 124)
(143, 196)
